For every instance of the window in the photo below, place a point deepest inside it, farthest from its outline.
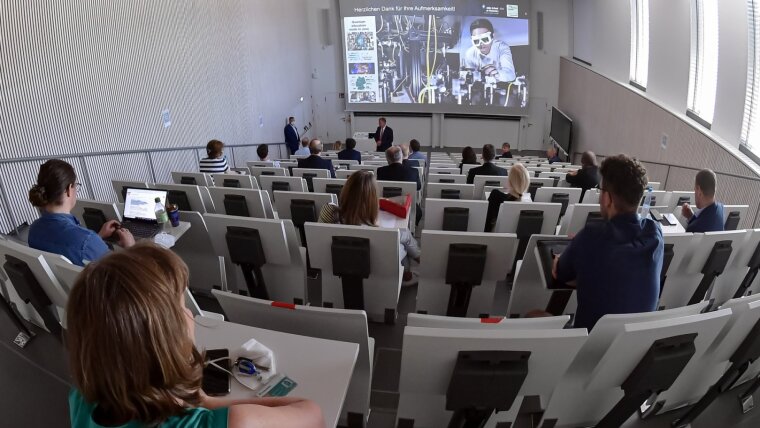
(750, 127)
(639, 43)
(703, 75)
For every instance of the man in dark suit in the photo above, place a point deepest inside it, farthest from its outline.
(350, 153)
(397, 171)
(588, 176)
(488, 168)
(315, 161)
(292, 138)
(383, 136)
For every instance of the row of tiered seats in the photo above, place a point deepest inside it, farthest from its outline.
(678, 352)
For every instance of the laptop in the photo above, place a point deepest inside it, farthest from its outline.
(139, 215)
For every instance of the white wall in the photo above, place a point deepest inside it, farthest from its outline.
(326, 70)
(583, 37)
(89, 76)
(669, 52)
(544, 69)
(605, 39)
(81, 77)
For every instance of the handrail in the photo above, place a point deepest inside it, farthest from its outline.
(126, 152)
(5, 202)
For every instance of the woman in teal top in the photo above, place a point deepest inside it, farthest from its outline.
(132, 355)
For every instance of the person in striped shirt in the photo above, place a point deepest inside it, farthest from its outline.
(216, 162)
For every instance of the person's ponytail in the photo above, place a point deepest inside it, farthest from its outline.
(37, 196)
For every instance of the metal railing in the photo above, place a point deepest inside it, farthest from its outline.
(84, 175)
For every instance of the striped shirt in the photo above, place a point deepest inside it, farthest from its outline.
(214, 166)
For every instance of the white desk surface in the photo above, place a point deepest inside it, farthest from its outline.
(322, 368)
(176, 232)
(670, 230)
(390, 221)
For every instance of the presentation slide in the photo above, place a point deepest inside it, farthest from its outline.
(455, 56)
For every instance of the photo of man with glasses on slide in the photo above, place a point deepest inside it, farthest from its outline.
(490, 56)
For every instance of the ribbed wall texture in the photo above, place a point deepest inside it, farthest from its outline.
(128, 167)
(608, 118)
(93, 76)
(19, 178)
(166, 162)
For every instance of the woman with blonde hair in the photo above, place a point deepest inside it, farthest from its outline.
(359, 206)
(133, 361)
(518, 183)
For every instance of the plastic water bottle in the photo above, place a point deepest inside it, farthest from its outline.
(647, 203)
(161, 216)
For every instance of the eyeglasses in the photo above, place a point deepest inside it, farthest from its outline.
(482, 39)
(78, 186)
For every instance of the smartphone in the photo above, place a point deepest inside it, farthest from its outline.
(216, 382)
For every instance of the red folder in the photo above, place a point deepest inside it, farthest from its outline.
(398, 206)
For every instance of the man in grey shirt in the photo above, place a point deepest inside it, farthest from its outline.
(490, 56)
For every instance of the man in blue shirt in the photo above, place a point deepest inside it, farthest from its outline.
(616, 264)
(416, 154)
(709, 214)
(551, 154)
(304, 150)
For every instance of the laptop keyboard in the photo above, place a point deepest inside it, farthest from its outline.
(142, 230)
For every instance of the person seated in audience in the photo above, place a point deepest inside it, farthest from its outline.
(263, 153)
(359, 206)
(588, 176)
(708, 217)
(398, 171)
(552, 155)
(468, 158)
(506, 151)
(517, 191)
(315, 161)
(405, 157)
(133, 360)
(304, 150)
(59, 232)
(350, 152)
(488, 168)
(338, 146)
(215, 161)
(615, 264)
(416, 154)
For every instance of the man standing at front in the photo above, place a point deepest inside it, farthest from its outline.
(383, 136)
(616, 264)
(292, 138)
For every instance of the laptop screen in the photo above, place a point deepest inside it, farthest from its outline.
(140, 204)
